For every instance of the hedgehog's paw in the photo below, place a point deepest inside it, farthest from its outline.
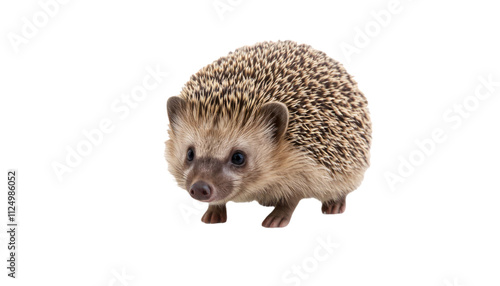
(333, 207)
(276, 220)
(215, 214)
(281, 215)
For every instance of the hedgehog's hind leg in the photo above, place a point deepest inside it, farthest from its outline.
(335, 201)
(215, 214)
(334, 206)
(282, 213)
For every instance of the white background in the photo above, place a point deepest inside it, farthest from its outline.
(119, 212)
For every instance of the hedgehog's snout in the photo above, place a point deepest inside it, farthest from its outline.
(201, 191)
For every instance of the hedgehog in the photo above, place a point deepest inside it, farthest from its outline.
(275, 123)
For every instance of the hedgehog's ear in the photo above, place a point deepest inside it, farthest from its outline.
(175, 105)
(276, 114)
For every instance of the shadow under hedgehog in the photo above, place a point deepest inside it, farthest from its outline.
(275, 122)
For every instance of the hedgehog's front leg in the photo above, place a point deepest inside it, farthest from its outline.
(334, 206)
(215, 214)
(282, 213)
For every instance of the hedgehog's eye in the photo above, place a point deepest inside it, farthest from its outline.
(190, 154)
(238, 158)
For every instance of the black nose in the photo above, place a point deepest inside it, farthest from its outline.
(200, 191)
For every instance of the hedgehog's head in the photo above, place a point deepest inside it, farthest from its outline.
(219, 154)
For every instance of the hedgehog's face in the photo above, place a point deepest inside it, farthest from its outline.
(227, 161)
